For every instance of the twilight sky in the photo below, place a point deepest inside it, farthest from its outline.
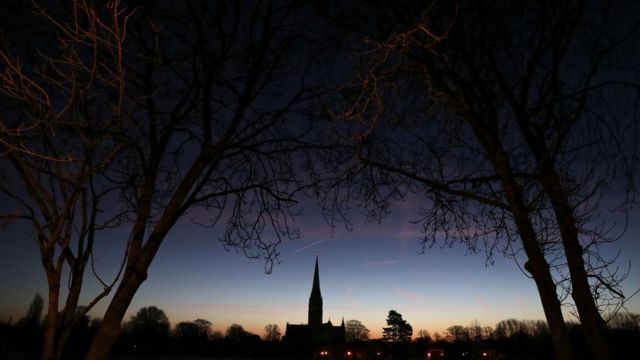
(363, 274)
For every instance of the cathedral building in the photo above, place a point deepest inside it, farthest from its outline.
(315, 332)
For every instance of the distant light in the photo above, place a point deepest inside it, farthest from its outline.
(428, 354)
(348, 353)
(484, 354)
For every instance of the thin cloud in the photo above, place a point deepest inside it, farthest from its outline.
(481, 301)
(377, 264)
(308, 246)
(410, 295)
(234, 306)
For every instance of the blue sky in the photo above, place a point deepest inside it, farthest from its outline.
(363, 274)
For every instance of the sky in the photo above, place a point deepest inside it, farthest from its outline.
(364, 273)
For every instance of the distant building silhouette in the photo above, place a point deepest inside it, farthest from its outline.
(315, 332)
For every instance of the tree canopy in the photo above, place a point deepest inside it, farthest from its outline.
(205, 105)
(398, 330)
(149, 321)
(355, 331)
(513, 121)
(197, 329)
(272, 332)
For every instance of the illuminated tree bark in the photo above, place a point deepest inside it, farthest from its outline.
(63, 106)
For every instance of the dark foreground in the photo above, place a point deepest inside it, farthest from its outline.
(518, 346)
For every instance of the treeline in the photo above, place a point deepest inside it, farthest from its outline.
(528, 339)
(22, 337)
(146, 333)
(149, 332)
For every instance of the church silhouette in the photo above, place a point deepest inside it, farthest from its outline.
(315, 332)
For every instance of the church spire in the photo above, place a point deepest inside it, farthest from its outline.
(315, 290)
(315, 300)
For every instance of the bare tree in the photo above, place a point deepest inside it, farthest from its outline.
(221, 90)
(355, 331)
(272, 332)
(626, 321)
(459, 332)
(475, 330)
(63, 107)
(214, 116)
(511, 327)
(513, 121)
(423, 336)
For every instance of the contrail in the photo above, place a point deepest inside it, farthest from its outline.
(308, 246)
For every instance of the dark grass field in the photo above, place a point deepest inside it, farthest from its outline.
(36, 356)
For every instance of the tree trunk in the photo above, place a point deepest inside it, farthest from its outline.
(543, 279)
(110, 327)
(537, 263)
(140, 257)
(71, 306)
(594, 326)
(550, 303)
(62, 342)
(51, 321)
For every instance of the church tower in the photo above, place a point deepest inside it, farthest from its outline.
(315, 301)
(315, 332)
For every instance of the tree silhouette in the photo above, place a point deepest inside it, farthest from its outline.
(237, 332)
(511, 327)
(149, 321)
(205, 105)
(221, 93)
(197, 329)
(513, 123)
(34, 314)
(204, 327)
(355, 331)
(150, 330)
(424, 336)
(30, 326)
(627, 321)
(398, 330)
(62, 90)
(459, 332)
(272, 332)
(192, 336)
